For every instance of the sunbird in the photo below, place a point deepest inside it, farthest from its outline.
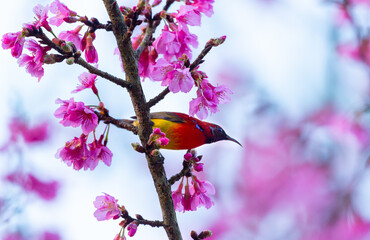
(185, 132)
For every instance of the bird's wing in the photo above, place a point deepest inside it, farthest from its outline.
(169, 116)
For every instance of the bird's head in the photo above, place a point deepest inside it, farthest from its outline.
(216, 133)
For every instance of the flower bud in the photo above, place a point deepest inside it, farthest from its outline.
(155, 153)
(194, 234)
(70, 19)
(66, 47)
(48, 59)
(70, 60)
(57, 41)
(138, 148)
(214, 42)
(205, 234)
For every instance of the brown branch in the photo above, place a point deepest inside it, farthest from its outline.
(155, 163)
(94, 24)
(116, 122)
(158, 98)
(103, 74)
(150, 29)
(38, 33)
(186, 170)
(200, 57)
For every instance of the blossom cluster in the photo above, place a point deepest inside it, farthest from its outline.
(107, 208)
(196, 192)
(39, 55)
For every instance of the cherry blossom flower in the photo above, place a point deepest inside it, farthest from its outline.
(34, 63)
(147, 61)
(208, 99)
(175, 42)
(42, 15)
(177, 197)
(359, 52)
(76, 114)
(131, 228)
(73, 36)
(61, 11)
(203, 6)
(99, 152)
(91, 54)
(14, 42)
(49, 236)
(30, 183)
(87, 80)
(106, 207)
(75, 153)
(174, 75)
(188, 14)
(202, 189)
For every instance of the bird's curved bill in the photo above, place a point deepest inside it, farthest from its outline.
(233, 140)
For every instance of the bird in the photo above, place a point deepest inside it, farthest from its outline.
(185, 132)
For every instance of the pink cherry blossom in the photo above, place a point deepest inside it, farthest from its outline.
(76, 114)
(42, 15)
(175, 42)
(188, 14)
(75, 153)
(99, 152)
(131, 228)
(73, 36)
(91, 54)
(14, 236)
(147, 61)
(30, 183)
(174, 75)
(208, 99)
(106, 207)
(202, 189)
(177, 197)
(203, 6)
(14, 42)
(34, 63)
(62, 12)
(87, 80)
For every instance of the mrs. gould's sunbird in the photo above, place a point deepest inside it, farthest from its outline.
(184, 131)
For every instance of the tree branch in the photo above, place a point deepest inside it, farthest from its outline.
(158, 98)
(150, 29)
(186, 170)
(116, 122)
(103, 74)
(41, 35)
(155, 163)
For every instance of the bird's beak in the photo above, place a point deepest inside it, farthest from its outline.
(233, 140)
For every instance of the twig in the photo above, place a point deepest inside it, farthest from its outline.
(150, 29)
(39, 34)
(158, 98)
(103, 74)
(184, 172)
(116, 122)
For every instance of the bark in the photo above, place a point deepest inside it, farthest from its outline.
(155, 163)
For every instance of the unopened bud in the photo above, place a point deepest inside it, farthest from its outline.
(163, 14)
(155, 153)
(194, 234)
(70, 60)
(156, 3)
(66, 47)
(138, 148)
(139, 217)
(70, 19)
(214, 42)
(205, 234)
(185, 59)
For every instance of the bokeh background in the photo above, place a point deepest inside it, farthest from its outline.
(299, 103)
